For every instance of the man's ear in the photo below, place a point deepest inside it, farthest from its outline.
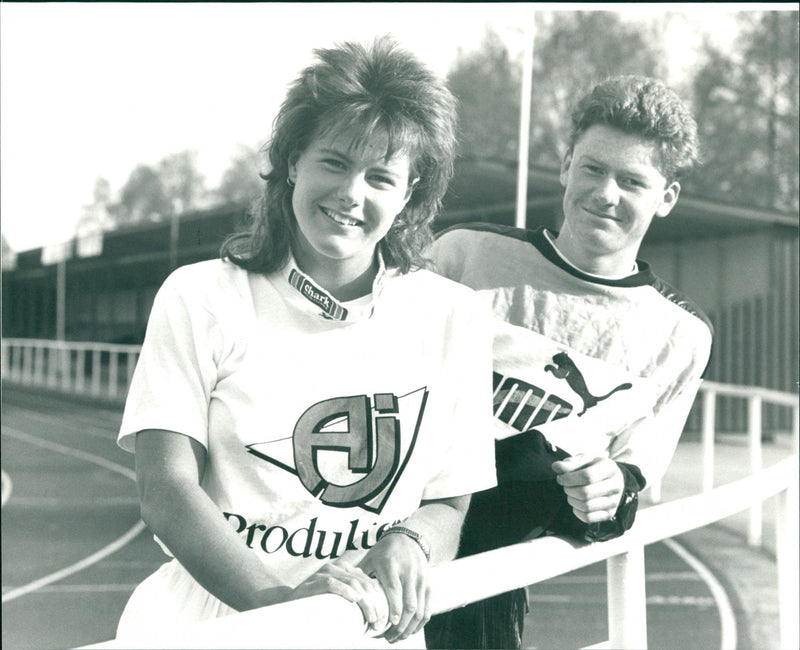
(670, 198)
(566, 161)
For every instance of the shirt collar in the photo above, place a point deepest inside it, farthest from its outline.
(309, 296)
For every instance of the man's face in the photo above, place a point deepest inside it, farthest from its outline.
(613, 189)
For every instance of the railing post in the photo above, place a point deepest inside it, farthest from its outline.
(80, 370)
(38, 366)
(5, 357)
(27, 364)
(129, 368)
(50, 352)
(787, 550)
(65, 363)
(96, 371)
(627, 609)
(113, 372)
(709, 425)
(754, 529)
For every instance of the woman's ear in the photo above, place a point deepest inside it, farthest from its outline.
(410, 189)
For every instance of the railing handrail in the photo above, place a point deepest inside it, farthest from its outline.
(479, 576)
(652, 524)
(737, 390)
(72, 345)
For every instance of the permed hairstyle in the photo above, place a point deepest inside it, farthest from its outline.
(373, 90)
(645, 107)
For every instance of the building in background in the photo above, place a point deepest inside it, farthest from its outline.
(739, 263)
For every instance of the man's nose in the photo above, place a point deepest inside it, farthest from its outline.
(606, 191)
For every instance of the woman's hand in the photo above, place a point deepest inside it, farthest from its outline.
(349, 582)
(400, 566)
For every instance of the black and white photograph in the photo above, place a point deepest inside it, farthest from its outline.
(440, 325)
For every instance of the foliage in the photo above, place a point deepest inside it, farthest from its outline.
(240, 182)
(747, 111)
(574, 51)
(183, 184)
(173, 186)
(142, 198)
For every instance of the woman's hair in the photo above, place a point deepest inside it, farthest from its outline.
(645, 107)
(375, 90)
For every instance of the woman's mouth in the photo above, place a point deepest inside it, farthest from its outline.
(340, 218)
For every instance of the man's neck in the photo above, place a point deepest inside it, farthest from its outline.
(611, 266)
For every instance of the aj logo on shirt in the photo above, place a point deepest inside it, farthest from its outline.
(350, 451)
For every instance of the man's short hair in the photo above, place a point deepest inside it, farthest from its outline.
(645, 107)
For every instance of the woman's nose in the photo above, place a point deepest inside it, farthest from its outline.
(350, 191)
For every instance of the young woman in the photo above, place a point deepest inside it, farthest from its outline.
(310, 413)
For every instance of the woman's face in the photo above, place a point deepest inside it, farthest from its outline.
(345, 200)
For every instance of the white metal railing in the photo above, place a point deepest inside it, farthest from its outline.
(756, 397)
(338, 623)
(86, 368)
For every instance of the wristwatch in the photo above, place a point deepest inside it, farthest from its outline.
(413, 534)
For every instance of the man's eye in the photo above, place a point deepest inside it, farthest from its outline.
(384, 180)
(593, 169)
(633, 182)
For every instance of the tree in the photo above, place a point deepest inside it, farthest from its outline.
(184, 185)
(746, 105)
(487, 86)
(567, 63)
(142, 198)
(573, 51)
(240, 182)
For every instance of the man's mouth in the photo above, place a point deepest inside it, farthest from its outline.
(340, 218)
(602, 215)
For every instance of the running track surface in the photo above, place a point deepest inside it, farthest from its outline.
(73, 547)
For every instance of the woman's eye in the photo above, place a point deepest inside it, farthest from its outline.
(334, 163)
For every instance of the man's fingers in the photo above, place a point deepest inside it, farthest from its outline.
(593, 510)
(587, 472)
(571, 463)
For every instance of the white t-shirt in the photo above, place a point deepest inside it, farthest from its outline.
(324, 423)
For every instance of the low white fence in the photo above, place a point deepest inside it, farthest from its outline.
(99, 369)
(337, 623)
(83, 368)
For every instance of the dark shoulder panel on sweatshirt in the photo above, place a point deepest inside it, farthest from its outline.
(683, 301)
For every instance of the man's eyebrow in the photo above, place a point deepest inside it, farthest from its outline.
(334, 152)
(627, 171)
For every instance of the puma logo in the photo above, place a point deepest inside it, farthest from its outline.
(565, 368)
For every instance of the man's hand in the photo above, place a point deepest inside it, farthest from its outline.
(593, 486)
(401, 568)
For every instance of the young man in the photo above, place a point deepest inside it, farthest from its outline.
(596, 360)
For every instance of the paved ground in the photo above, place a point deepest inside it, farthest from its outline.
(73, 547)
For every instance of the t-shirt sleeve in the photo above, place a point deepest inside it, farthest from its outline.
(468, 457)
(177, 366)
